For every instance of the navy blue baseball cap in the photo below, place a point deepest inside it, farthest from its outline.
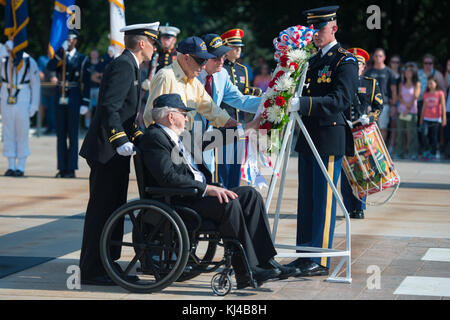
(194, 46)
(172, 100)
(215, 45)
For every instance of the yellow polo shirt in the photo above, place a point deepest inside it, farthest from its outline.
(172, 79)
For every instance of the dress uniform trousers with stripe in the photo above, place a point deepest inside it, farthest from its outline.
(331, 83)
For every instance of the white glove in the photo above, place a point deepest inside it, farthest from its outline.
(83, 110)
(364, 119)
(32, 111)
(127, 149)
(350, 124)
(145, 85)
(295, 104)
(65, 45)
(9, 45)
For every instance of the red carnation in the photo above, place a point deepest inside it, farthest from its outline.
(293, 64)
(271, 83)
(279, 74)
(267, 104)
(264, 114)
(280, 101)
(266, 126)
(284, 60)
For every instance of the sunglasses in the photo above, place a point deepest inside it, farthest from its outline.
(200, 61)
(428, 63)
(184, 114)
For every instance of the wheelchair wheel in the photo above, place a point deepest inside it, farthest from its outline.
(155, 254)
(196, 270)
(221, 284)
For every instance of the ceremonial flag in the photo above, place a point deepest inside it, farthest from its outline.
(16, 20)
(59, 30)
(117, 22)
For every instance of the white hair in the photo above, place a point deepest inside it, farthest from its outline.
(160, 113)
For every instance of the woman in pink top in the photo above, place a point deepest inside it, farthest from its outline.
(409, 92)
(433, 115)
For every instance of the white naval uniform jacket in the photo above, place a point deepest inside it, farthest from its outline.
(16, 117)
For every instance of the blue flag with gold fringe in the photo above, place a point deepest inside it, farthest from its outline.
(16, 20)
(59, 30)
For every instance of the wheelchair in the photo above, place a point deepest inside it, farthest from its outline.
(164, 243)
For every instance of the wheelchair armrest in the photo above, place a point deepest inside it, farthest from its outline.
(170, 192)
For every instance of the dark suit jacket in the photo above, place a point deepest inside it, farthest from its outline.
(160, 169)
(114, 122)
(331, 83)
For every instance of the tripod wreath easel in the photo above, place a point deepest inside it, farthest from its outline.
(282, 163)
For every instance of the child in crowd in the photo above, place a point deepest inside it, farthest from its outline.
(433, 115)
(408, 93)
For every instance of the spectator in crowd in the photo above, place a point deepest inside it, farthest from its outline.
(446, 144)
(433, 114)
(395, 63)
(386, 79)
(90, 87)
(428, 69)
(262, 80)
(48, 96)
(408, 94)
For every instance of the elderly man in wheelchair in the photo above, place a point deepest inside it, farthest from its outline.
(179, 207)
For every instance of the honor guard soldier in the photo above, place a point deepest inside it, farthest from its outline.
(109, 144)
(365, 108)
(167, 53)
(66, 70)
(331, 83)
(238, 73)
(19, 100)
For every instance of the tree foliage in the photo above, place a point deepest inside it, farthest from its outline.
(410, 28)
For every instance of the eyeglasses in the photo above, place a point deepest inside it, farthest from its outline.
(184, 114)
(428, 63)
(200, 61)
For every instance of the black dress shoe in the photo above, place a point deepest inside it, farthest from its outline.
(103, 280)
(298, 263)
(19, 173)
(10, 173)
(70, 174)
(312, 269)
(60, 174)
(286, 271)
(259, 274)
(357, 214)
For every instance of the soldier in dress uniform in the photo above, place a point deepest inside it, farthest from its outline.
(109, 144)
(19, 100)
(331, 83)
(238, 72)
(167, 52)
(366, 107)
(66, 70)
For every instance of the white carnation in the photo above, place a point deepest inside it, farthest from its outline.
(284, 83)
(298, 55)
(275, 114)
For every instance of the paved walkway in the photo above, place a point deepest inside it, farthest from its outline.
(400, 251)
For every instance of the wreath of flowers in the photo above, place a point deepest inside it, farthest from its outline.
(292, 50)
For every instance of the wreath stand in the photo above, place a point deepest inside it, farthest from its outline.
(283, 159)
